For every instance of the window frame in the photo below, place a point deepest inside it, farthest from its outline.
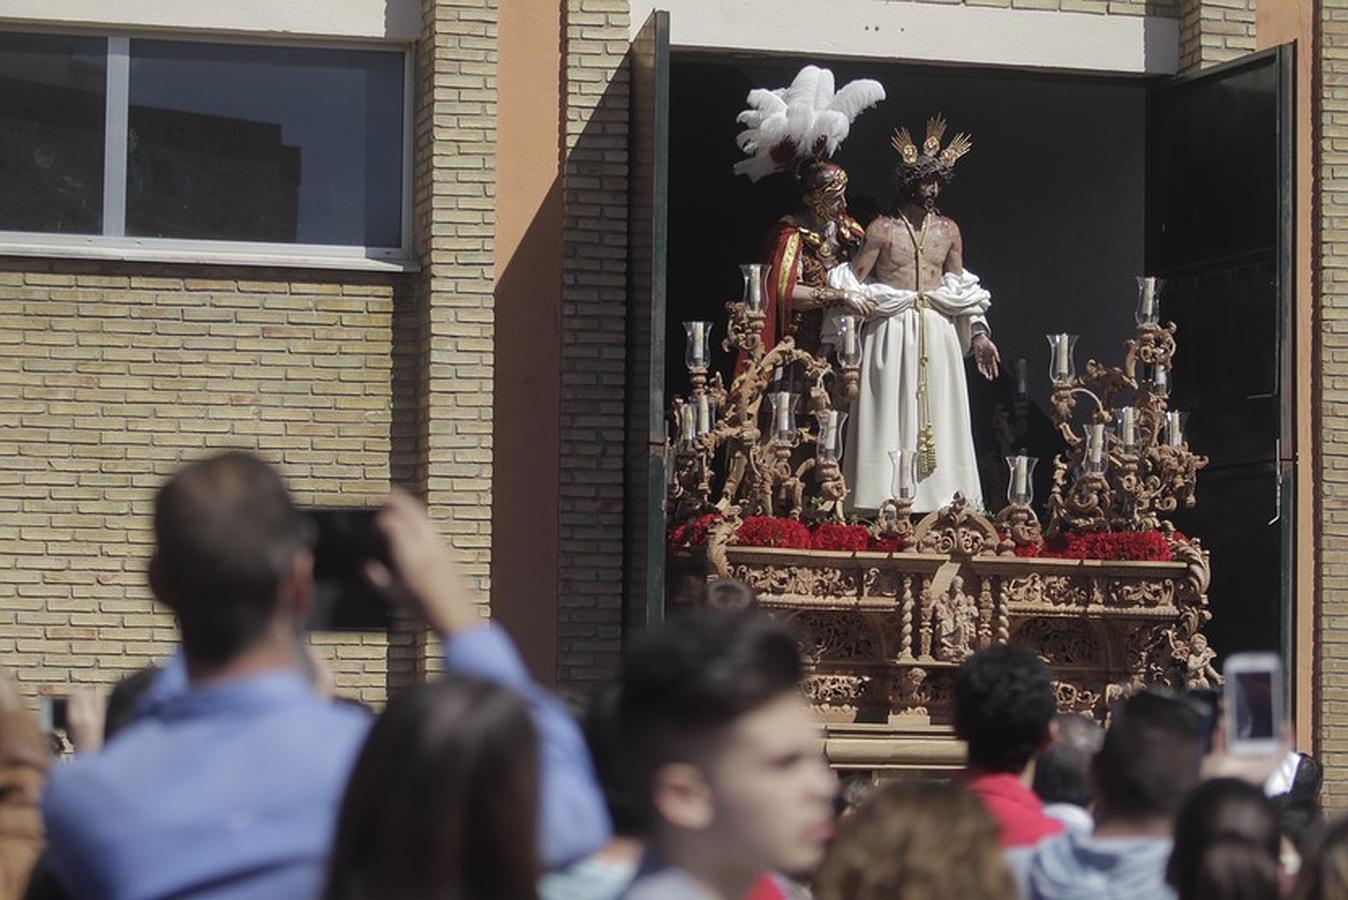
(113, 242)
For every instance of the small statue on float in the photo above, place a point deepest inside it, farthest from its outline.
(789, 130)
(928, 315)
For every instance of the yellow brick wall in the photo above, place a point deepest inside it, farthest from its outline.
(1215, 31)
(110, 377)
(1332, 465)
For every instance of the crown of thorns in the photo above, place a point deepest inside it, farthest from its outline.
(912, 158)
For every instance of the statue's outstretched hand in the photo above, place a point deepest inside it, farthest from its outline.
(986, 356)
(859, 303)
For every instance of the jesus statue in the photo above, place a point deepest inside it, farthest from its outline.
(928, 315)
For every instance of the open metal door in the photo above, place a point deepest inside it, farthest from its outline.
(644, 512)
(1220, 160)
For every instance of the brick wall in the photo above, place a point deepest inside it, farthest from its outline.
(1215, 31)
(593, 339)
(110, 377)
(113, 374)
(1332, 468)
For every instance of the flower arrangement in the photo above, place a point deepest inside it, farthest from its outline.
(692, 533)
(1145, 546)
(770, 531)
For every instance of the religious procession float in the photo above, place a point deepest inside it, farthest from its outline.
(887, 558)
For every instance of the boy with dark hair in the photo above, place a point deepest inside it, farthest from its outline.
(227, 784)
(1149, 764)
(1004, 707)
(1062, 773)
(728, 758)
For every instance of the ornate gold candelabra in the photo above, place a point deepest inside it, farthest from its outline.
(755, 422)
(1130, 467)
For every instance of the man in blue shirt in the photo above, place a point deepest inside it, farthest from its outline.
(228, 785)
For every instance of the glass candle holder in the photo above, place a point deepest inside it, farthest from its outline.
(849, 341)
(829, 446)
(903, 481)
(784, 418)
(753, 286)
(1020, 483)
(687, 428)
(697, 353)
(1095, 449)
(706, 413)
(1148, 300)
(1062, 366)
(1175, 422)
(1125, 417)
(1160, 379)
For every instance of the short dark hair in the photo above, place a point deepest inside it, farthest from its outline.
(226, 534)
(603, 736)
(1004, 701)
(695, 676)
(443, 800)
(1227, 844)
(1150, 759)
(1062, 772)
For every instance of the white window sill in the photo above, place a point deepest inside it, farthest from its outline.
(221, 254)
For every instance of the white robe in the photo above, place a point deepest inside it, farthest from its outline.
(885, 414)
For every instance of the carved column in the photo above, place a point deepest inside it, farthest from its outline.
(906, 620)
(985, 613)
(926, 618)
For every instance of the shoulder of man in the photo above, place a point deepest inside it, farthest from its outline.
(666, 884)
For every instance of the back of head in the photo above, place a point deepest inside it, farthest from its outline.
(1324, 871)
(226, 535)
(1062, 772)
(919, 841)
(1226, 844)
(695, 676)
(443, 801)
(1004, 702)
(603, 735)
(1150, 759)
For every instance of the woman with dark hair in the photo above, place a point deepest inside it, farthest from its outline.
(1324, 870)
(443, 801)
(1227, 844)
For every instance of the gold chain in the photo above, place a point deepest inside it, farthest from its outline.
(926, 433)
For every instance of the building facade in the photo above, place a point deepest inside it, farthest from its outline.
(471, 334)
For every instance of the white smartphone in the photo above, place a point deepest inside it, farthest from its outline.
(1253, 703)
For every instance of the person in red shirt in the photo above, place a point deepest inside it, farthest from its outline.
(1004, 708)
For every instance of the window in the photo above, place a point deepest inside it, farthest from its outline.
(172, 144)
(52, 92)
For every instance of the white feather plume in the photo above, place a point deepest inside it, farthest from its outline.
(801, 114)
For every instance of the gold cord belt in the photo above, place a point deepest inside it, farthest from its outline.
(926, 433)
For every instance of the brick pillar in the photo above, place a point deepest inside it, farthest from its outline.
(594, 298)
(1332, 329)
(1215, 31)
(454, 215)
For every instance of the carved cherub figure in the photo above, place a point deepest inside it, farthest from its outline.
(1197, 658)
(912, 695)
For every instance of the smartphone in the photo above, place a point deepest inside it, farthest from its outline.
(1253, 703)
(51, 713)
(345, 540)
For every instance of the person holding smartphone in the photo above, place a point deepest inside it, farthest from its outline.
(228, 784)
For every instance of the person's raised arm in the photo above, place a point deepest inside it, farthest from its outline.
(573, 820)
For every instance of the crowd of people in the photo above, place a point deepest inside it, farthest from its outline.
(699, 774)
